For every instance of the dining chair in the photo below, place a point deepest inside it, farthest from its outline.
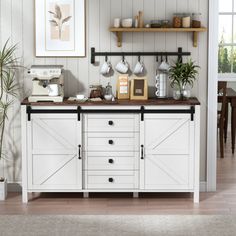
(222, 114)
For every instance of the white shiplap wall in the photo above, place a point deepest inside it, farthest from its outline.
(17, 23)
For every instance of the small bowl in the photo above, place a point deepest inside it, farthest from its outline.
(127, 23)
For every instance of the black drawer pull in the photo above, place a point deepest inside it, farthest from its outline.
(110, 122)
(79, 153)
(142, 152)
(111, 161)
(111, 180)
(111, 142)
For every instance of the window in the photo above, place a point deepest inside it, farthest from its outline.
(227, 37)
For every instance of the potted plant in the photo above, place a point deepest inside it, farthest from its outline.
(181, 76)
(8, 91)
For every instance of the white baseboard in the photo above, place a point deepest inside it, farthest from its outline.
(16, 187)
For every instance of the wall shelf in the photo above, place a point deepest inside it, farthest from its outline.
(120, 31)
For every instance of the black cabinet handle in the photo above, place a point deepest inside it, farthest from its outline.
(111, 161)
(142, 152)
(111, 180)
(79, 154)
(110, 122)
(111, 142)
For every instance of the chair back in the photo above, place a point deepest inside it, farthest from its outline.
(222, 98)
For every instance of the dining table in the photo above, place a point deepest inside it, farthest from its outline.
(231, 99)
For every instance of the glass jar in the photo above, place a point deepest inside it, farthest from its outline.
(108, 92)
(186, 21)
(96, 91)
(155, 24)
(196, 20)
(165, 24)
(182, 93)
(177, 20)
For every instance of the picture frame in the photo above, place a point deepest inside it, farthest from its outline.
(60, 28)
(139, 88)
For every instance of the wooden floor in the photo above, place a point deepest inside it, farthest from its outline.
(221, 202)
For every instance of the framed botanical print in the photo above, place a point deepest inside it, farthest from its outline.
(139, 88)
(60, 28)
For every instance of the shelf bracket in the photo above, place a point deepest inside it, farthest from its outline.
(119, 38)
(195, 39)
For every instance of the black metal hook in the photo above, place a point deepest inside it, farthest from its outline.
(106, 58)
(123, 57)
(139, 58)
(157, 59)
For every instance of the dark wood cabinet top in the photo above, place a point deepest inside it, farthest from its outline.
(149, 102)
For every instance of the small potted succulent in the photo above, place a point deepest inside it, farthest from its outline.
(182, 76)
(8, 91)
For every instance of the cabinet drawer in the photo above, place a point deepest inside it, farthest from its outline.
(112, 179)
(112, 162)
(111, 123)
(111, 142)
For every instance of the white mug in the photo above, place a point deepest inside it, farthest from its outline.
(53, 90)
(122, 67)
(164, 66)
(117, 22)
(139, 68)
(106, 68)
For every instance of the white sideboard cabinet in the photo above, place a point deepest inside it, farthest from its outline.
(110, 148)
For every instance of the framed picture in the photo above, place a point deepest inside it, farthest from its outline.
(139, 88)
(60, 28)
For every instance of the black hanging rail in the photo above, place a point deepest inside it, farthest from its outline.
(179, 54)
(80, 111)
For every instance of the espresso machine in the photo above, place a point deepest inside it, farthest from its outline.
(48, 83)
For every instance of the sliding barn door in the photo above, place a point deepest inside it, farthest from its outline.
(53, 152)
(168, 161)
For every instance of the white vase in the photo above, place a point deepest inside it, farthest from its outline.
(3, 190)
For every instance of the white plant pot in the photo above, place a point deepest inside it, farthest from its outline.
(3, 190)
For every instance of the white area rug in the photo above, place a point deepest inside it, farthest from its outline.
(117, 225)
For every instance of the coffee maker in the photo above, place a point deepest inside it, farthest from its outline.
(48, 83)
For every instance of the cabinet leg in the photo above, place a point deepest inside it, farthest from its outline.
(86, 195)
(24, 196)
(135, 195)
(196, 197)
